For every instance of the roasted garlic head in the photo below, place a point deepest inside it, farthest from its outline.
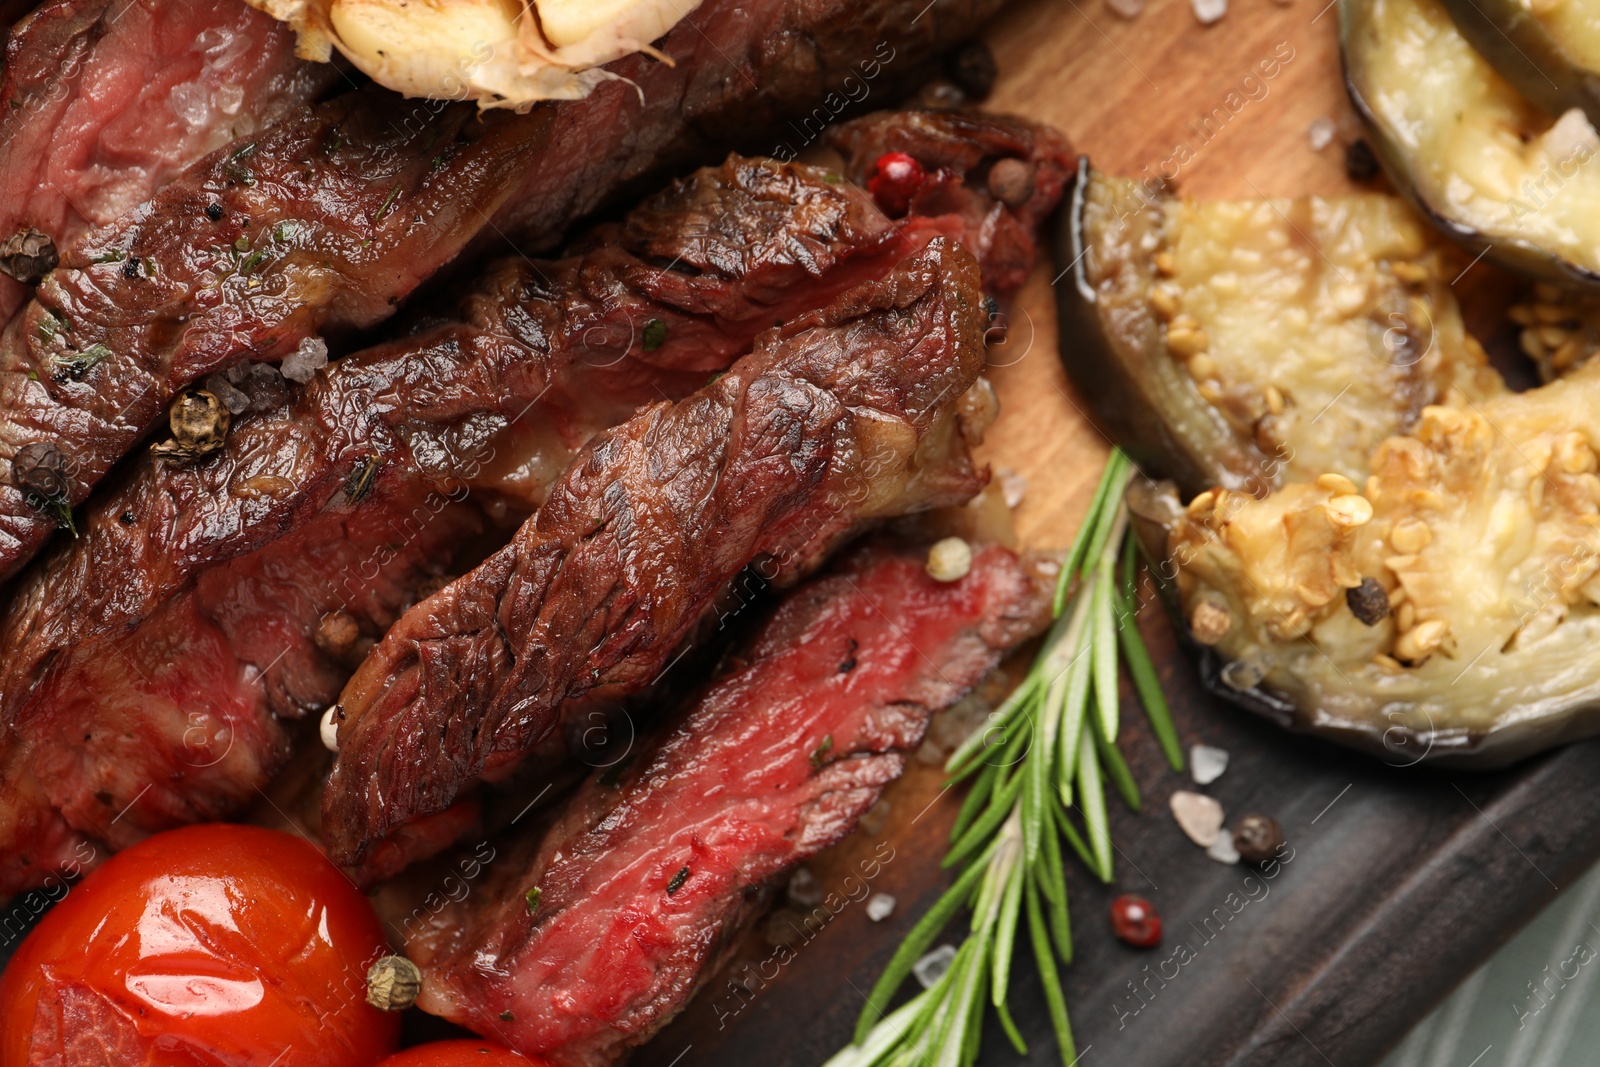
(501, 53)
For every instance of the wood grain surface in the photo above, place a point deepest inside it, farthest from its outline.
(1403, 878)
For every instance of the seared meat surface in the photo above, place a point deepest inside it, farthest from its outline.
(105, 101)
(961, 152)
(328, 219)
(253, 574)
(321, 224)
(767, 77)
(846, 414)
(645, 880)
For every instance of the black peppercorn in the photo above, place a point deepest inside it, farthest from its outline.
(1368, 601)
(199, 424)
(1257, 838)
(973, 68)
(214, 212)
(41, 469)
(28, 255)
(1359, 162)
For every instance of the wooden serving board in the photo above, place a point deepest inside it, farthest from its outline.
(1401, 880)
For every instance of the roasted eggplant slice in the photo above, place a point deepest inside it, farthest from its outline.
(1251, 343)
(1448, 607)
(1496, 173)
(1560, 328)
(1549, 50)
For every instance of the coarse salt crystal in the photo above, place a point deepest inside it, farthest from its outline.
(804, 889)
(879, 907)
(1198, 815)
(1321, 133)
(1206, 764)
(1222, 849)
(302, 364)
(932, 967)
(1209, 11)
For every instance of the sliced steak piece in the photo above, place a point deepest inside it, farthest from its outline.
(767, 77)
(644, 882)
(104, 101)
(992, 179)
(167, 573)
(837, 417)
(320, 224)
(332, 217)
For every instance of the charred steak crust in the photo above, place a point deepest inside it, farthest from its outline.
(840, 416)
(767, 77)
(203, 590)
(326, 220)
(94, 381)
(776, 761)
(960, 151)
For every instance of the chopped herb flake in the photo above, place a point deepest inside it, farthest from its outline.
(75, 365)
(359, 482)
(506, 1015)
(532, 897)
(821, 752)
(654, 335)
(388, 202)
(113, 256)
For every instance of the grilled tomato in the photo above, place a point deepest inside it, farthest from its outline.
(1245, 344)
(209, 946)
(460, 1054)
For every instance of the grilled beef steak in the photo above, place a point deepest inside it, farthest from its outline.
(104, 101)
(322, 223)
(171, 572)
(839, 416)
(769, 77)
(644, 881)
(495, 400)
(330, 218)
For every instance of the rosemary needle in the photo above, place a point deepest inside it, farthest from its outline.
(1049, 747)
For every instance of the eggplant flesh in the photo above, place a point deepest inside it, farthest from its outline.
(1248, 344)
(1560, 328)
(1480, 531)
(1549, 50)
(1496, 173)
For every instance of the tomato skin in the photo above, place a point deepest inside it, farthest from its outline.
(209, 946)
(461, 1054)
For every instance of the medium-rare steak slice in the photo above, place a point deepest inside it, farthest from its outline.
(104, 101)
(166, 580)
(837, 417)
(645, 881)
(330, 218)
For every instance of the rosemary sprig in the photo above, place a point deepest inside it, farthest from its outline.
(1047, 749)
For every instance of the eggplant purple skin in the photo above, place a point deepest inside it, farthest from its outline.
(1136, 394)
(1514, 254)
(1521, 50)
(1151, 508)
